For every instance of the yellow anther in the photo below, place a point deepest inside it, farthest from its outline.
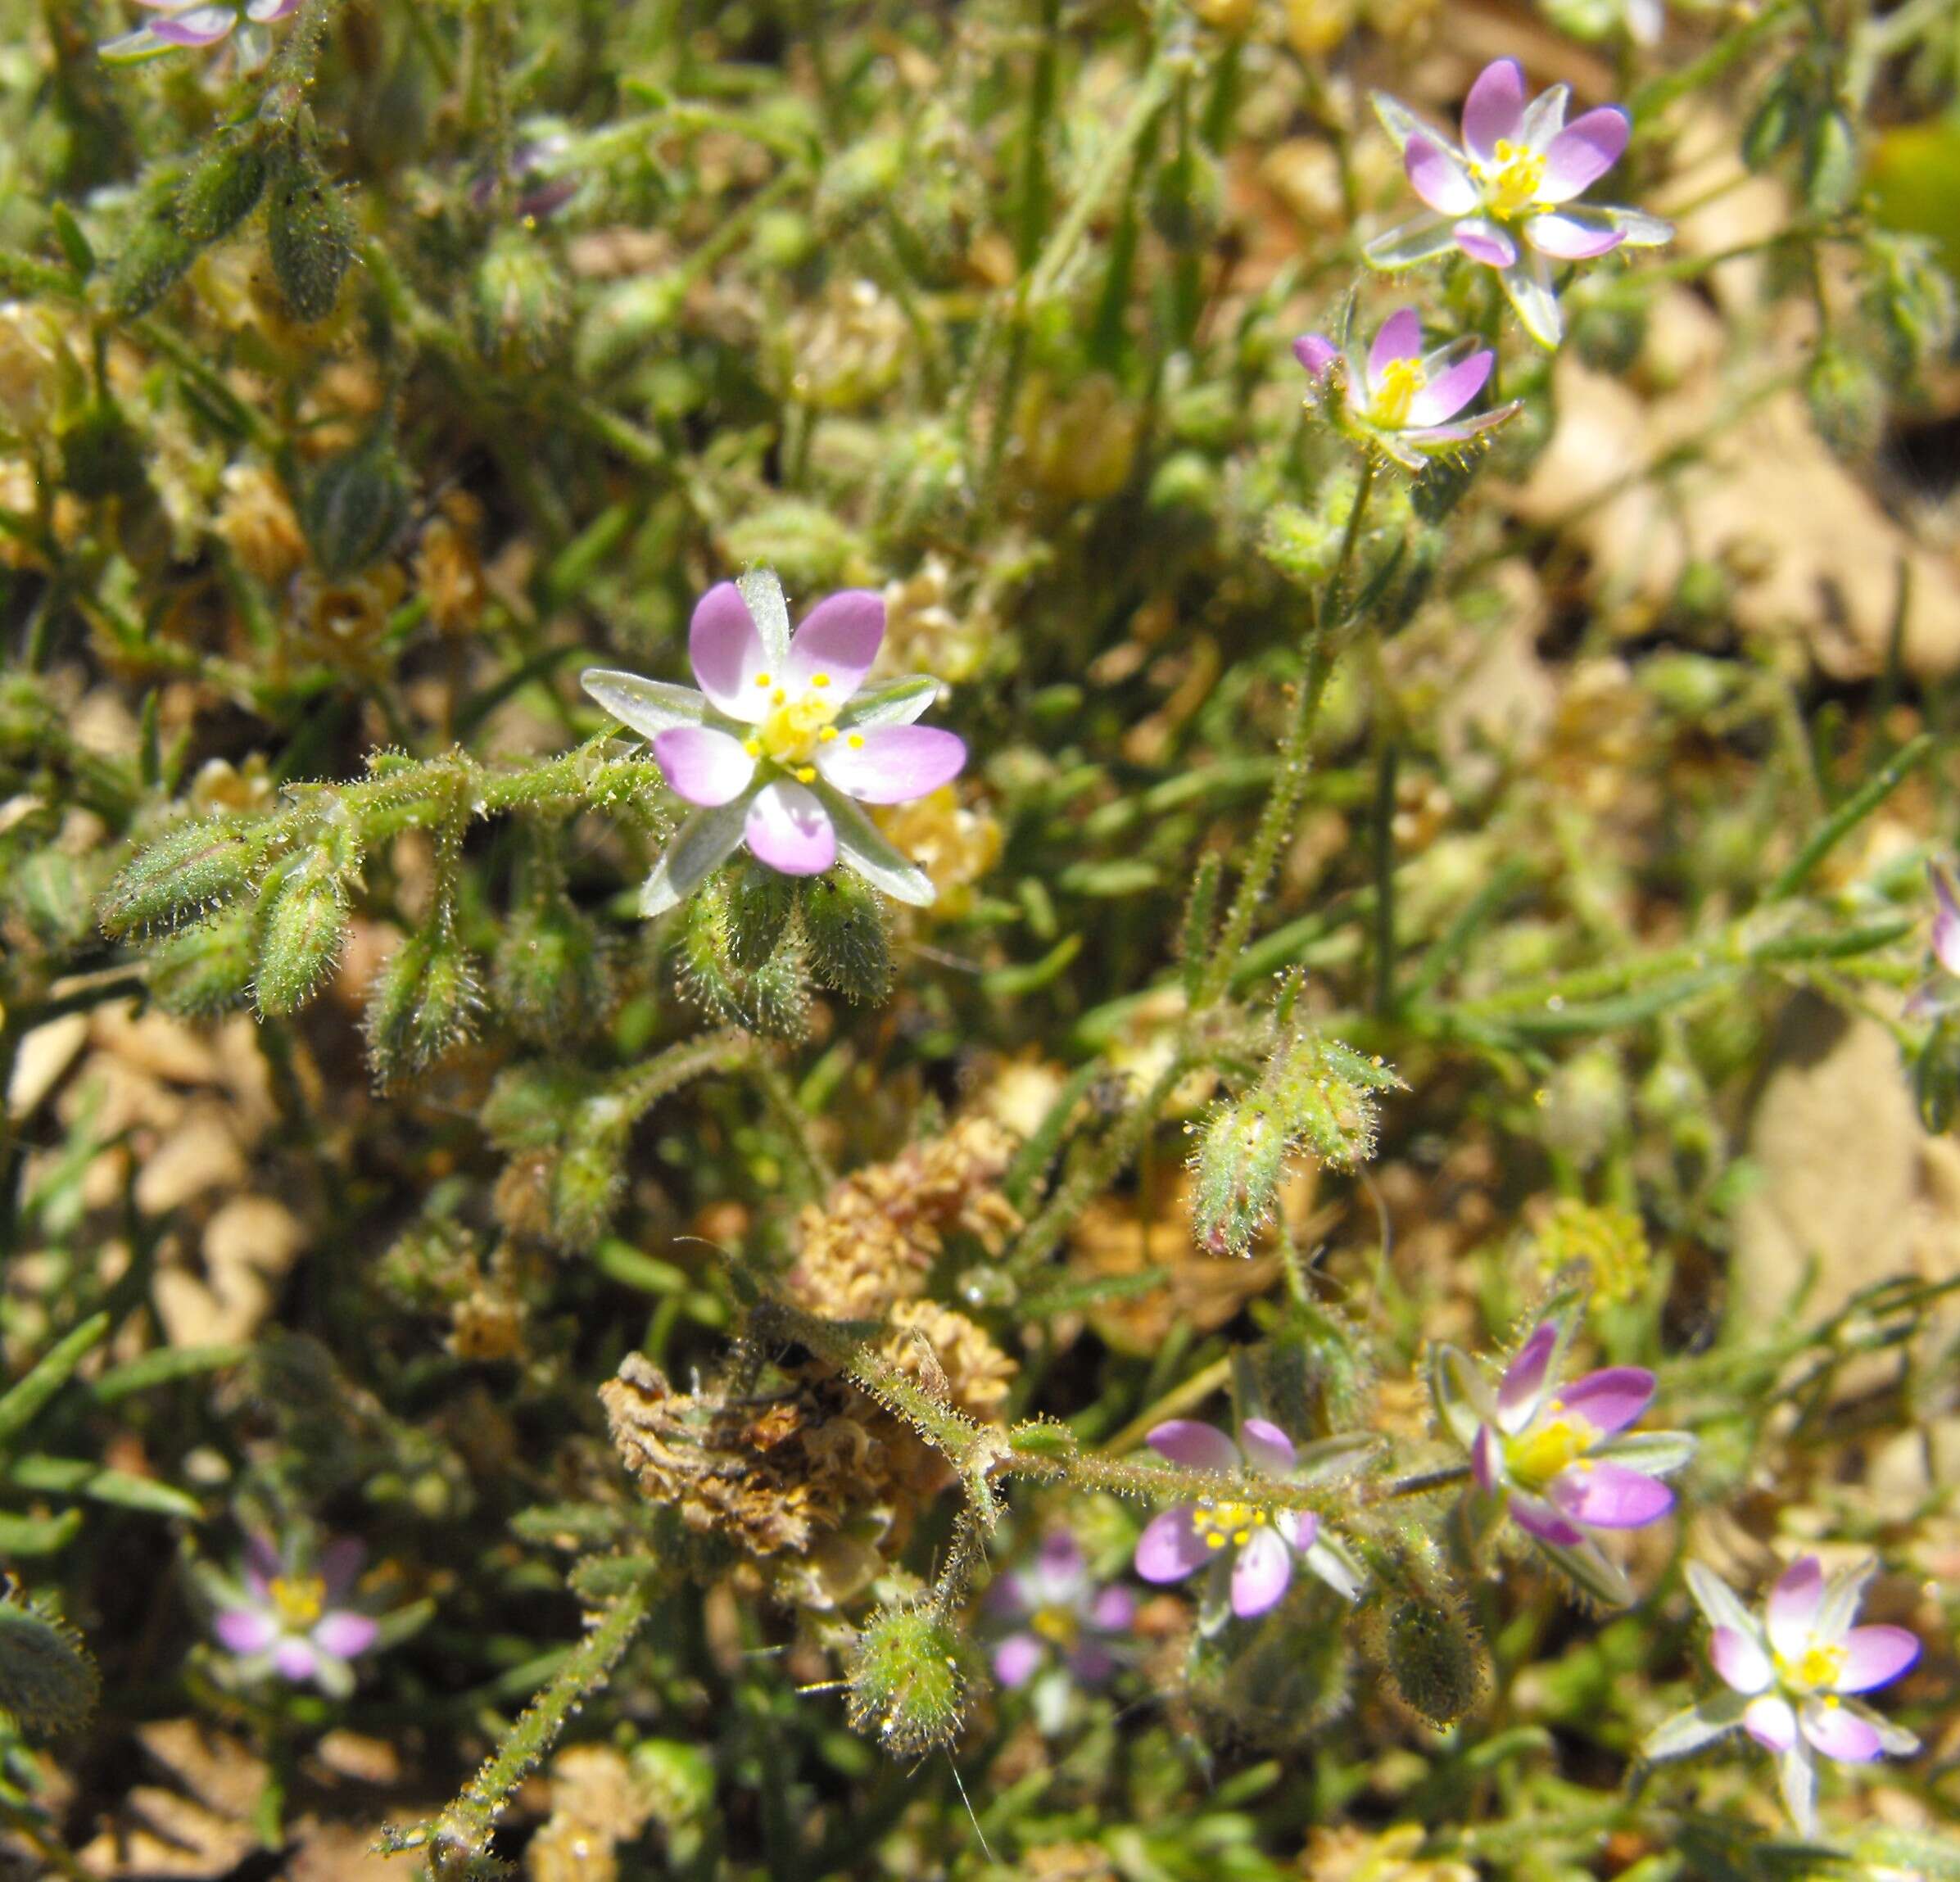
(299, 1600)
(827, 735)
(855, 740)
(1815, 1667)
(1513, 178)
(763, 679)
(805, 774)
(1213, 1539)
(753, 746)
(779, 697)
(1535, 1457)
(820, 679)
(1395, 393)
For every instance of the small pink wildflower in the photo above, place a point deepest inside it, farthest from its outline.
(1506, 197)
(1792, 1678)
(1939, 994)
(1560, 1459)
(780, 746)
(1060, 1617)
(191, 26)
(1234, 1536)
(285, 1615)
(1400, 399)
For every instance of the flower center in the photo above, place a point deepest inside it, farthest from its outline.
(1513, 178)
(796, 727)
(1394, 392)
(1222, 1522)
(1815, 1667)
(1059, 1626)
(1535, 1457)
(299, 1600)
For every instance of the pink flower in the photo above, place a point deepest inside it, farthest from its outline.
(1504, 197)
(285, 1615)
(1400, 399)
(188, 24)
(1938, 993)
(1792, 1677)
(1235, 1534)
(1560, 1459)
(780, 746)
(1057, 1614)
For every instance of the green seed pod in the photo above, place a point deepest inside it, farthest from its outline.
(424, 1001)
(1432, 1657)
(1831, 164)
(222, 191)
(302, 927)
(850, 947)
(356, 506)
(207, 968)
(1238, 1167)
(184, 873)
(550, 976)
(311, 235)
(911, 1680)
(156, 259)
(761, 901)
(47, 1680)
(523, 308)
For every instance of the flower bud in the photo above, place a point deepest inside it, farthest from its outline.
(1238, 1165)
(910, 1681)
(521, 307)
(48, 1681)
(154, 259)
(760, 903)
(590, 1176)
(1847, 400)
(773, 1000)
(1831, 165)
(843, 924)
(311, 236)
(1431, 1656)
(1776, 123)
(302, 927)
(356, 506)
(221, 191)
(101, 454)
(424, 1001)
(205, 969)
(185, 871)
(551, 974)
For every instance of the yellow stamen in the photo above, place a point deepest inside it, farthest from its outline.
(827, 735)
(753, 746)
(1815, 1666)
(764, 681)
(855, 740)
(1222, 1522)
(1395, 393)
(805, 774)
(298, 1599)
(1512, 180)
(820, 679)
(794, 728)
(779, 697)
(1056, 1625)
(1535, 1457)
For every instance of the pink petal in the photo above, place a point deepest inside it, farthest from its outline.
(1876, 1657)
(295, 1659)
(1450, 391)
(1300, 1527)
(1523, 1382)
(1537, 1518)
(339, 1565)
(246, 1630)
(1610, 1399)
(840, 637)
(1486, 1465)
(1113, 1611)
(1266, 1447)
(1484, 242)
(265, 13)
(1609, 1496)
(1010, 1596)
(1170, 1548)
(891, 764)
(1740, 1659)
(1946, 920)
(1793, 1606)
(1401, 338)
(1017, 1659)
(1060, 1564)
(1494, 111)
(703, 766)
(1770, 1721)
(1315, 352)
(789, 829)
(1570, 238)
(344, 1634)
(200, 26)
(1583, 152)
(1261, 1574)
(1438, 179)
(1196, 1446)
(726, 650)
(1839, 1733)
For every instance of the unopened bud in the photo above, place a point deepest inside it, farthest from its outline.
(1433, 1658)
(155, 258)
(591, 1175)
(1238, 1168)
(184, 872)
(221, 191)
(774, 999)
(206, 969)
(761, 901)
(911, 1680)
(1774, 123)
(102, 455)
(1847, 400)
(1830, 164)
(302, 926)
(48, 1681)
(521, 307)
(550, 974)
(355, 508)
(424, 1001)
(843, 924)
(311, 236)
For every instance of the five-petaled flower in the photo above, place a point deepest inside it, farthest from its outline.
(1560, 1459)
(1791, 1678)
(1399, 400)
(780, 746)
(190, 24)
(1235, 1534)
(1506, 197)
(286, 1614)
(1059, 1619)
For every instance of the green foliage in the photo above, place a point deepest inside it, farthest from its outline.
(911, 1678)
